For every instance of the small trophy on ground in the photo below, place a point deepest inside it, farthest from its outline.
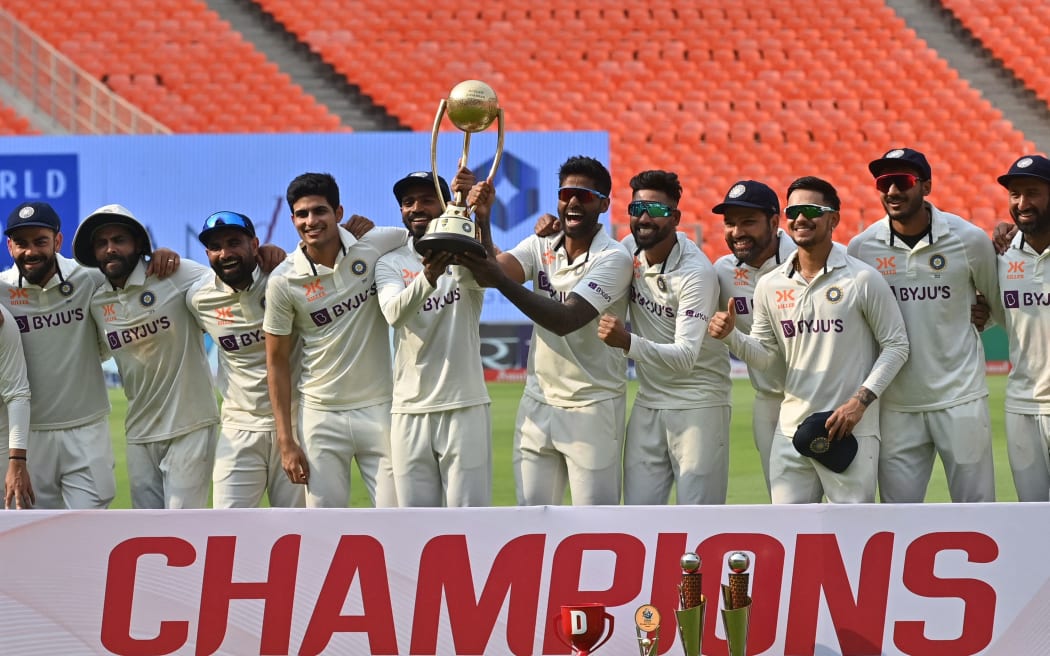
(583, 627)
(736, 611)
(692, 605)
(647, 628)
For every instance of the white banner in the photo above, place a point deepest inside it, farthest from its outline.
(879, 579)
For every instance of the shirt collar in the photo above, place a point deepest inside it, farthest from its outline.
(304, 265)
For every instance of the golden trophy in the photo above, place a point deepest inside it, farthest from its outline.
(472, 106)
(647, 629)
(736, 611)
(692, 605)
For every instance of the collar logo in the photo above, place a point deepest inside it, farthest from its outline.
(65, 288)
(147, 298)
(834, 294)
(938, 262)
(740, 274)
(1024, 163)
(359, 267)
(737, 191)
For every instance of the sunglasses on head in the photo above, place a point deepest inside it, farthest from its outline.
(565, 194)
(902, 181)
(656, 210)
(232, 219)
(807, 210)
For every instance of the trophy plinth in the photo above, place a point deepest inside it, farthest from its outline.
(452, 232)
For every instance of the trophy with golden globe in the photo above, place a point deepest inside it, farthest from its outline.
(472, 107)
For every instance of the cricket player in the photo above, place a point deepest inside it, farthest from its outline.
(441, 426)
(229, 306)
(678, 432)
(14, 392)
(833, 322)
(935, 263)
(172, 420)
(751, 215)
(1024, 310)
(570, 424)
(325, 294)
(50, 296)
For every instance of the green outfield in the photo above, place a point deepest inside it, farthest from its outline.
(745, 479)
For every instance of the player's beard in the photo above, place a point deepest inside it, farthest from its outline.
(1033, 226)
(40, 272)
(119, 267)
(646, 239)
(753, 247)
(239, 277)
(415, 224)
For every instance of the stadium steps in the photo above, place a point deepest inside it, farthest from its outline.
(306, 69)
(18, 115)
(941, 29)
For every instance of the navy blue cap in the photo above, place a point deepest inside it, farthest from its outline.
(811, 440)
(420, 177)
(1029, 166)
(899, 156)
(222, 220)
(33, 214)
(749, 193)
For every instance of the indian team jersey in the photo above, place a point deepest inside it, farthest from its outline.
(578, 369)
(1024, 278)
(234, 321)
(671, 303)
(61, 343)
(437, 347)
(14, 385)
(159, 350)
(834, 334)
(935, 283)
(346, 345)
(736, 281)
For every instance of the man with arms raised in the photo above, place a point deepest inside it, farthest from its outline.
(570, 423)
(679, 427)
(833, 322)
(751, 215)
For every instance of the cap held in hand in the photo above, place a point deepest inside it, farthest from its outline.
(811, 440)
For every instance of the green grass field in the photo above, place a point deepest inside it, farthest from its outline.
(745, 477)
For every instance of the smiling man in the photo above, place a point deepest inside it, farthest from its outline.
(570, 424)
(935, 263)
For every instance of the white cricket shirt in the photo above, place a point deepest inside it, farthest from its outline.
(1024, 278)
(935, 284)
(578, 369)
(159, 350)
(670, 306)
(346, 345)
(14, 384)
(437, 346)
(838, 333)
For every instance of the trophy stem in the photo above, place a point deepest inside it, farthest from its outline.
(457, 197)
(434, 149)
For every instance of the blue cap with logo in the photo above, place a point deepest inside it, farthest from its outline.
(1029, 166)
(898, 156)
(35, 214)
(750, 193)
(811, 440)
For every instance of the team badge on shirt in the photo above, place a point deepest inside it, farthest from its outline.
(147, 298)
(359, 267)
(834, 294)
(65, 288)
(661, 284)
(937, 262)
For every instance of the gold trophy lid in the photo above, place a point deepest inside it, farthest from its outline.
(472, 106)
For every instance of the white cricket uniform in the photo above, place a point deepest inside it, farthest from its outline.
(570, 424)
(172, 420)
(679, 427)
(441, 429)
(835, 334)
(345, 384)
(14, 386)
(939, 402)
(1024, 310)
(71, 462)
(247, 458)
(736, 281)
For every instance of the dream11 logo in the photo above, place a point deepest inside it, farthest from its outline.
(517, 191)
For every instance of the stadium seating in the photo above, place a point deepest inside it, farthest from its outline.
(11, 123)
(177, 61)
(714, 89)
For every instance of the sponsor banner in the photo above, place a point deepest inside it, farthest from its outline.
(173, 182)
(878, 579)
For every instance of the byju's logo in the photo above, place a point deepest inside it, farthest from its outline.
(1011, 299)
(517, 191)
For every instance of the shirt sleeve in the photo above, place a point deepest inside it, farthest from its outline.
(14, 388)
(525, 253)
(399, 302)
(983, 264)
(760, 348)
(696, 302)
(386, 239)
(607, 280)
(883, 314)
(279, 316)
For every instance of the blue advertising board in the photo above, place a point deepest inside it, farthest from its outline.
(171, 183)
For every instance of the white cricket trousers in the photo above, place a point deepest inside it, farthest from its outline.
(173, 473)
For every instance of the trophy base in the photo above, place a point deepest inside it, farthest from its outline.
(449, 242)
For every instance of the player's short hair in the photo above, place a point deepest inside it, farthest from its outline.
(588, 167)
(656, 180)
(822, 187)
(313, 184)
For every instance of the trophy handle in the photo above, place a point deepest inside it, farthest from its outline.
(434, 150)
(556, 625)
(608, 634)
(498, 156)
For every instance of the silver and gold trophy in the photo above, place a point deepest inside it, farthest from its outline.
(692, 605)
(472, 107)
(647, 629)
(736, 611)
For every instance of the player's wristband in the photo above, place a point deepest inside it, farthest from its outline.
(16, 458)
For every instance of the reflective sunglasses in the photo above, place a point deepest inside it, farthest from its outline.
(807, 210)
(656, 210)
(565, 194)
(902, 181)
(229, 219)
